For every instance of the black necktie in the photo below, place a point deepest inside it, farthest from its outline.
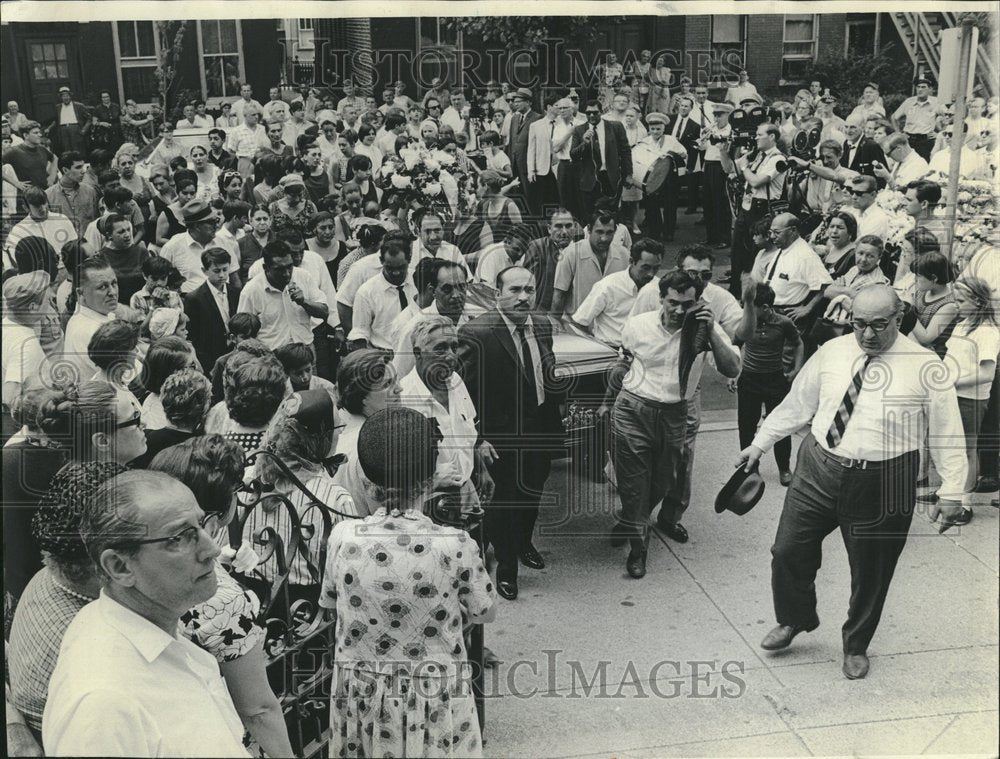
(595, 146)
(529, 390)
(403, 302)
(843, 415)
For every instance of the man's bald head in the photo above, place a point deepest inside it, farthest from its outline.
(877, 310)
(855, 119)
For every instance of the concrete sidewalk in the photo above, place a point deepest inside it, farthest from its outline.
(595, 664)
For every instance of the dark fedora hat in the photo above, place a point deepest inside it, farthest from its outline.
(741, 493)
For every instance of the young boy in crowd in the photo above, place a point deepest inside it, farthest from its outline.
(241, 327)
(156, 293)
(297, 359)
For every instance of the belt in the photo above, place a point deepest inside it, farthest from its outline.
(847, 463)
(651, 402)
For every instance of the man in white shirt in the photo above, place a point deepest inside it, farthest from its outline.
(360, 272)
(431, 242)
(97, 300)
(909, 164)
(494, 258)
(40, 222)
(455, 115)
(609, 304)
(872, 220)
(650, 388)
(824, 178)
(562, 141)
(201, 119)
(868, 404)
(379, 300)
(127, 682)
(919, 113)
(541, 161)
(184, 250)
(245, 140)
(284, 297)
(743, 89)
(245, 100)
(584, 262)
(350, 99)
(434, 389)
(794, 271)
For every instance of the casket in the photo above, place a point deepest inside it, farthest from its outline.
(577, 355)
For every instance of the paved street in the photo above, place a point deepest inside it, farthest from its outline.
(683, 673)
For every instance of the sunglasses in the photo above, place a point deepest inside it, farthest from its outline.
(135, 421)
(850, 191)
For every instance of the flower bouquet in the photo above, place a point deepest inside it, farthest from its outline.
(420, 179)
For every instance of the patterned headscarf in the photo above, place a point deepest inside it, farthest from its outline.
(56, 524)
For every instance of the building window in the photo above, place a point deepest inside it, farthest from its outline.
(220, 52)
(442, 63)
(49, 61)
(305, 24)
(799, 47)
(137, 47)
(861, 34)
(729, 40)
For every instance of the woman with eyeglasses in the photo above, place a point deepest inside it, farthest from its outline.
(88, 422)
(212, 467)
(65, 584)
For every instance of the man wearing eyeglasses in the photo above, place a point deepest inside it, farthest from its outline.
(126, 684)
(868, 402)
(794, 271)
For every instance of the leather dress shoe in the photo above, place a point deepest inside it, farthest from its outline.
(490, 659)
(986, 485)
(855, 666)
(507, 589)
(964, 518)
(635, 564)
(674, 531)
(780, 637)
(785, 477)
(532, 559)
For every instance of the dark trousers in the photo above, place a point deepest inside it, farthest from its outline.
(569, 192)
(988, 444)
(676, 501)
(872, 507)
(520, 474)
(655, 206)
(922, 144)
(718, 216)
(327, 359)
(543, 195)
(589, 198)
(647, 450)
(742, 252)
(694, 190)
(753, 391)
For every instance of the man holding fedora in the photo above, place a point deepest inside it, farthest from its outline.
(184, 250)
(868, 399)
(517, 145)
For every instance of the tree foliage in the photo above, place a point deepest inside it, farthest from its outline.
(528, 31)
(171, 34)
(846, 77)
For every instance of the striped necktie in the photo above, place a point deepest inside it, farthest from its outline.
(843, 416)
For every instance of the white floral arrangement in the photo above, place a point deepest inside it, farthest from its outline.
(893, 203)
(977, 207)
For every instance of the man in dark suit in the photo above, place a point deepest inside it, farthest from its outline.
(859, 151)
(209, 308)
(685, 130)
(507, 364)
(517, 144)
(602, 159)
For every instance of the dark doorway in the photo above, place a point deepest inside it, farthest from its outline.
(50, 63)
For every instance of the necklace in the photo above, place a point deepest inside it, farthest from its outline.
(64, 589)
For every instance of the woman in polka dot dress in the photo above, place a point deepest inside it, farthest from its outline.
(403, 588)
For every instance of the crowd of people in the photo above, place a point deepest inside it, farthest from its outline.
(182, 291)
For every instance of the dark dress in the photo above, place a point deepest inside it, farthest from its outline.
(175, 227)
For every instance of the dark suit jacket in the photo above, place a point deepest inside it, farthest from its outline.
(618, 155)
(208, 332)
(517, 145)
(688, 138)
(867, 152)
(489, 366)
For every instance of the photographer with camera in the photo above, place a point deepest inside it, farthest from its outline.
(819, 182)
(762, 171)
